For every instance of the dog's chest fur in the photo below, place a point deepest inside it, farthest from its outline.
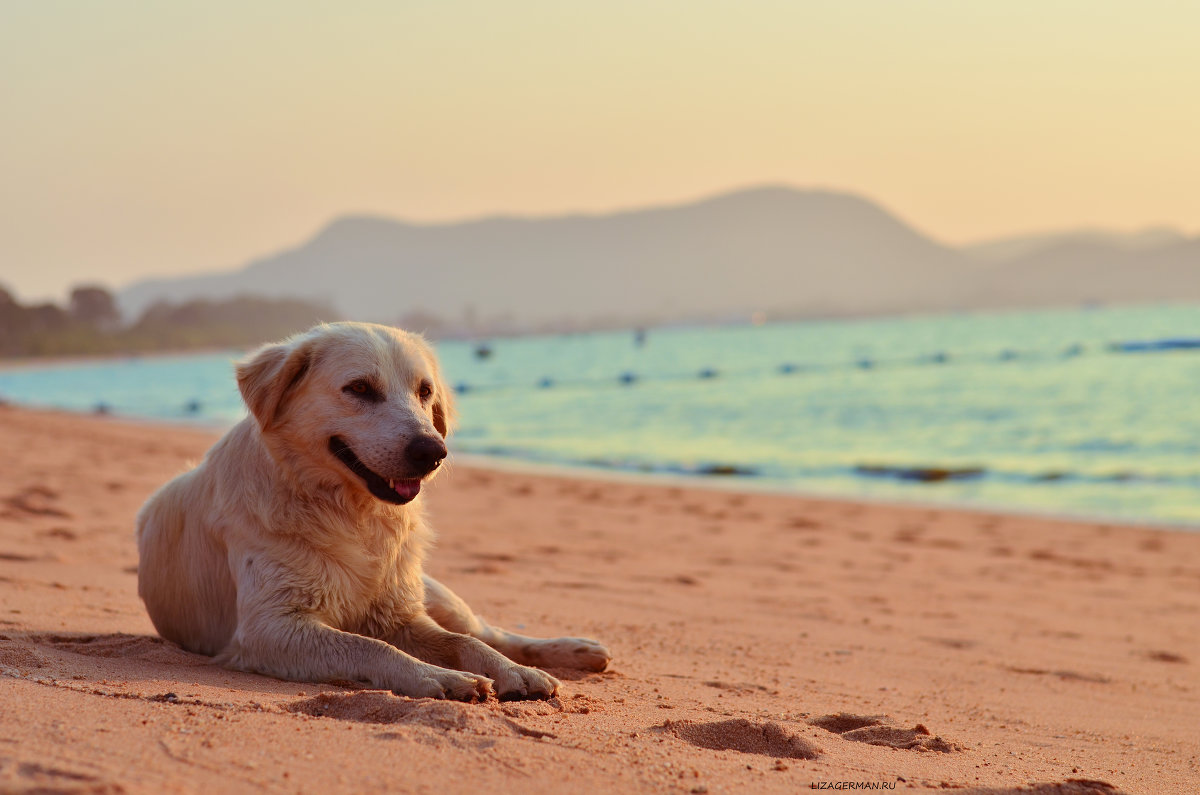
(366, 579)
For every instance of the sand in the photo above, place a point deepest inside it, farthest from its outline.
(762, 643)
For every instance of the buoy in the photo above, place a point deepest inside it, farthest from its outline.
(1170, 344)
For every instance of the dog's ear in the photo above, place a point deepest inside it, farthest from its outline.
(266, 376)
(444, 414)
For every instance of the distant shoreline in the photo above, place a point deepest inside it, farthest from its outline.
(68, 360)
(20, 362)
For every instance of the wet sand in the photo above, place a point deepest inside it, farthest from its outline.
(762, 643)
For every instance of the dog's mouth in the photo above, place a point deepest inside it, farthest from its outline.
(397, 491)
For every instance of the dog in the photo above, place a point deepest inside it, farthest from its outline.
(295, 548)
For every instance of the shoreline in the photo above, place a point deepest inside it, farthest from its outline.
(746, 485)
(762, 641)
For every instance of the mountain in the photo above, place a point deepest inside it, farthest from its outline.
(788, 252)
(1011, 248)
(775, 249)
(1072, 272)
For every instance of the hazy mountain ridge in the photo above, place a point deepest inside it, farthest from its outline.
(775, 249)
(1010, 248)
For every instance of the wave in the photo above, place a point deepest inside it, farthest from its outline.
(917, 474)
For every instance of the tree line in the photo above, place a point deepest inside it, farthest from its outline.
(91, 324)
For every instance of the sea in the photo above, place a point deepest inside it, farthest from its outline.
(1091, 412)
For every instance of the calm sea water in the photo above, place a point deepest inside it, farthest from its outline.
(1028, 411)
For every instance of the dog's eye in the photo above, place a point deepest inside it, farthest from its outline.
(425, 391)
(363, 389)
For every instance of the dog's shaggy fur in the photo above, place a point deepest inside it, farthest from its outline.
(295, 548)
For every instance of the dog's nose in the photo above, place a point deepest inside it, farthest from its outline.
(425, 453)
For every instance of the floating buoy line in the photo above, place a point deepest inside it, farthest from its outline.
(629, 378)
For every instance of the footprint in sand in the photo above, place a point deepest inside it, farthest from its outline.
(376, 706)
(143, 647)
(33, 501)
(765, 739)
(13, 656)
(64, 533)
(1166, 656)
(1072, 786)
(43, 778)
(1067, 676)
(877, 730)
(737, 688)
(951, 643)
(487, 567)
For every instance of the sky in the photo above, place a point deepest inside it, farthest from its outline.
(143, 138)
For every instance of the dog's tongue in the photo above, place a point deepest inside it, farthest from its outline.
(406, 488)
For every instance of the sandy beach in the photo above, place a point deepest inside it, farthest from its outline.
(761, 643)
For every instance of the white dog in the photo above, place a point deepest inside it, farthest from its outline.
(295, 548)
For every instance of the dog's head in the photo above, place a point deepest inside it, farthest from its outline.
(351, 403)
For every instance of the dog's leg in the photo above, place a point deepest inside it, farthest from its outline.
(294, 645)
(447, 609)
(425, 639)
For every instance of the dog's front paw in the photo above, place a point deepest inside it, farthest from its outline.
(518, 682)
(445, 683)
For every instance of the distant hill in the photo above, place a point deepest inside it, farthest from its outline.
(1093, 272)
(784, 251)
(1011, 248)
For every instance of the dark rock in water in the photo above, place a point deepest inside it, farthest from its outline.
(483, 351)
(627, 378)
(546, 383)
(864, 364)
(462, 389)
(1008, 354)
(725, 469)
(920, 474)
(192, 407)
(787, 368)
(1073, 351)
(102, 408)
(708, 372)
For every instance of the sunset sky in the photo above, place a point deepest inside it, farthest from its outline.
(152, 138)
